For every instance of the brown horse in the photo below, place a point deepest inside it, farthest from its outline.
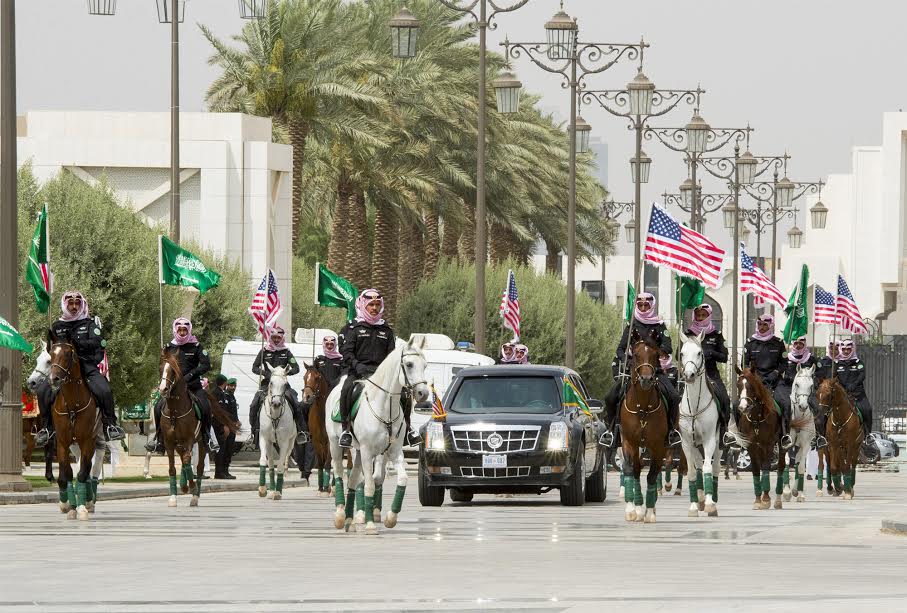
(77, 420)
(314, 394)
(844, 433)
(643, 423)
(759, 431)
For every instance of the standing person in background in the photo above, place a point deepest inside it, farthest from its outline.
(222, 392)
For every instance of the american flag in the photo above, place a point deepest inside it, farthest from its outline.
(823, 306)
(682, 249)
(847, 312)
(266, 305)
(510, 307)
(437, 409)
(753, 281)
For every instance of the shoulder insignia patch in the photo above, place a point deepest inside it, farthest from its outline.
(858, 366)
(98, 331)
(104, 343)
(293, 360)
(205, 351)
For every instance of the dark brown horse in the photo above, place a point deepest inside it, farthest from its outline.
(77, 420)
(759, 429)
(844, 433)
(314, 394)
(643, 423)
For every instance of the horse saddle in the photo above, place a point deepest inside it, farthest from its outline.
(356, 395)
(195, 405)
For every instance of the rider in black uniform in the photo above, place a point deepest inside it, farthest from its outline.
(76, 327)
(714, 352)
(851, 374)
(646, 323)
(799, 356)
(194, 362)
(276, 355)
(831, 357)
(330, 363)
(765, 353)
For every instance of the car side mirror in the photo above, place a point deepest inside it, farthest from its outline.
(596, 406)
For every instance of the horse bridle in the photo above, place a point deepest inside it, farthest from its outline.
(647, 386)
(68, 379)
(406, 388)
(170, 384)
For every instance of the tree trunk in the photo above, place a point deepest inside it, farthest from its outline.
(340, 231)
(358, 265)
(553, 259)
(467, 243)
(499, 247)
(409, 259)
(384, 272)
(299, 131)
(450, 237)
(432, 245)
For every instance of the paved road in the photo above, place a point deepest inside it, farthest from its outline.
(240, 553)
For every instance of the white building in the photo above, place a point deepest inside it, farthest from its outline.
(235, 183)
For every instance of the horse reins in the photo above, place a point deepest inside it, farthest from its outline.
(406, 388)
(72, 414)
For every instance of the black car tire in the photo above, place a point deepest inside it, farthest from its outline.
(573, 492)
(429, 496)
(459, 495)
(596, 487)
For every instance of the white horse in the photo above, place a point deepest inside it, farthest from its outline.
(802, 427)
(276, 434)
(378, 435)
(699, 428)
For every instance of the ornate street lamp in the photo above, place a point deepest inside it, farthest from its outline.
(561, 31)
(630, 227)
(613, 227)
(785, 190)
(404, 32)
(640, 93)
(641, 165)
(165, 11)
(252, 9)
(102, 7)
(507, 92)
(686, 193)
(730, 216)
(583, 131)
(746, 167)
(794, 237)
(697, 134)
(819, 215)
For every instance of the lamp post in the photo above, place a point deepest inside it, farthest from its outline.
(613, 211)
(564, 54)
(639, 103)
(173, 12)
(707, 203)
(404, 28)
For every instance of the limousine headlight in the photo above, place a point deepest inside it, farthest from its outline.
(435, 435)
(557, 436)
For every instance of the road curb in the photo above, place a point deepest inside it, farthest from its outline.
(895, 526)
(126, 494)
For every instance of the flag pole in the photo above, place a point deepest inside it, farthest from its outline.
(50, 274)
(160, 270)
(317, 283)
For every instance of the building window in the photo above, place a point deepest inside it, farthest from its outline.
(594, 289)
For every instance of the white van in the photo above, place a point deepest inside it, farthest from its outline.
(444, 361)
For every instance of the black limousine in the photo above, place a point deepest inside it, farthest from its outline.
(509, 429)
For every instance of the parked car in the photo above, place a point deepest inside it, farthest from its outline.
(883, 448)
(509, 430)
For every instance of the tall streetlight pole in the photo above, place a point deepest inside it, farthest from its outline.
(612, 211)
(707, 203)
(639, 103)
(404, 27)
(565, 55)
(173, 12)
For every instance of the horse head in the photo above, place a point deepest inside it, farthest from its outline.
(313, 384)
(751, 392)
(41, 373)
(692, 359)
(645, 360)
(412, 371)
(170, 373)
(64, 362)
(802, 388)
(828, 395)
(277, 385)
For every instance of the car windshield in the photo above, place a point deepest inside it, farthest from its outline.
(507, 395)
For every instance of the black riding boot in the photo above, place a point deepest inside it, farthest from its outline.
(346, 409)
(672, 439)
(211, 443)
(409, 438)
(821, 441)
(300, 417)
(786, 441)
(45, 406)
(99, 387)
(254, 412)
(154, 444)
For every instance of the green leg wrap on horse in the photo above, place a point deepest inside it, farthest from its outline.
(799, 478)
(272, 480)
(848, 481)
(369, 508)
(637, 493)
(71, 494)
(173, 485)
(779, 483)
(262, 472)
(699, 484)
(679, 479)
(836, 480)
(198, 486)
(280, 482)
(853, 476)
(350, 502)
(766, 481)
(379, 494)
(714, 489)
(668, 472)
(94, 489)
(360, 497)
(63, 496)
(81, 493)
(183, 480)
(628, 488)
(694, 494)
(651, 496)
(709, 484)
(324, 478)
(819, 478)
(399, 493)
(623, 481)
(658, 481)
(338, 490)
(757, 482)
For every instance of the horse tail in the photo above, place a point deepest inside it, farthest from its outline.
(219, 415)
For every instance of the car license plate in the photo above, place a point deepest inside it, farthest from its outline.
(494, 461)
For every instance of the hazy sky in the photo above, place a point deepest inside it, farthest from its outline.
(811, 77)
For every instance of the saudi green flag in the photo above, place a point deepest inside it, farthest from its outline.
(180, 267)
(332, 290)
(631, 299)
(797, 316)
(11, 339)
(37, 271)
(573, 398)
(690, 294)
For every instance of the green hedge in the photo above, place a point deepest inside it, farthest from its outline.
(445, 305)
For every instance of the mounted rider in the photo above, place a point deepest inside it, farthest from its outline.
(830, 358)
(714, 352)
(76, 327)
(851, 374)
(193, 362)
(765, 353)
(330, 363)
(799, 356)
(276, 354)
(367, 342)
(647, 324)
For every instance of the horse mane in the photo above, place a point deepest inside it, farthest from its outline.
(759, 388)
(170, 358)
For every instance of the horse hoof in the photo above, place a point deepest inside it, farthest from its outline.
(801, 498)
(702, 505)
(727, 477)
(711, 508)
(693, 511)
(778, 505)
(650, 516)
(262, 491)
(271, 494)
(339, 518)
(82, 513)
(819, 493)
(171, 502)
(90, 506)
(65, 508)
(391, 520)
(668, 485)
(359, 517)
(677, 492)
(71, 514)
(738, 476)
(757, 506)
(640, 513)
(277, 496)
(713, 513)
(376, 516)
(371, 528)
(847, 496)
(194, 501)
(630, 516)
(347, 524)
